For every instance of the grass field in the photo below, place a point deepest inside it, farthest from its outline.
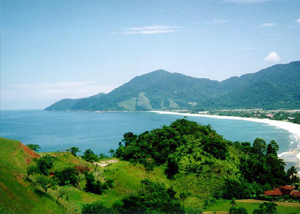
(18, 195)
(251, 205)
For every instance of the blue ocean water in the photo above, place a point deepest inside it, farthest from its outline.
(59, 130)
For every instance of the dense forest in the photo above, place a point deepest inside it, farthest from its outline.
(235, 169)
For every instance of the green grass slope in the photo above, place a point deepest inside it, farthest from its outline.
(17, 195)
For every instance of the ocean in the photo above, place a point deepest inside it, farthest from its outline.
(60, 130)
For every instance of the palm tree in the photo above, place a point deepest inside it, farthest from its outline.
(292, 174)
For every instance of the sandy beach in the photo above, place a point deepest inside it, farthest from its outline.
(289, 156)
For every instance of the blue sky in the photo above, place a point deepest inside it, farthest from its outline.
(54, 49)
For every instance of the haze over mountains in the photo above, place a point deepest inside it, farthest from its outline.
(271, 88)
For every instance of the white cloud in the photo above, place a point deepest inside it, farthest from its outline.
(298, 21)
(272, 57)
(150, 30)
(267, 25)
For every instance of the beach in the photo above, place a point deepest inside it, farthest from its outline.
(288, 156)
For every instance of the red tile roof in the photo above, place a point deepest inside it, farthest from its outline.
(295, 193)
(274, 192)
(283, 190)
(288, 187)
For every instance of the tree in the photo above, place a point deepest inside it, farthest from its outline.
(172, 166)
(292, 174)
(272, 148)
(31, 170)
(259, 146)
(92, 185)
(154, 199)
(62, 191)
(269, 208)
(34, 147)
(102, 156)
(232, 202)
(67, 176)
(45, 182)
(240, 210)
(112, 152)
(216, 147)
(89, 156)
(44, 164)
(97, 208)
(74, 150)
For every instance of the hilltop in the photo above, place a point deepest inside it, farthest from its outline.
(271, 88)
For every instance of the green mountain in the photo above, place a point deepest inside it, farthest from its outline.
(272, 88)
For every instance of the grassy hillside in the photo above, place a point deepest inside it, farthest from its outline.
(17, 194)
(22, 195)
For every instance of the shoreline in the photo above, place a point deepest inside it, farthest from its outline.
(294, 129)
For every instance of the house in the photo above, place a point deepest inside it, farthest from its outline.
(274, 192)
(283, 190)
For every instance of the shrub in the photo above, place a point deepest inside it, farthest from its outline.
(96, 207)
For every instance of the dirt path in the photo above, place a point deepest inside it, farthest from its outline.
(105, 163)
(287, 204)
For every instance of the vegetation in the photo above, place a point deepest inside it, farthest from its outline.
(284, 115)
(272, 88)
(238, 170)
(34, 147)
(181, 168)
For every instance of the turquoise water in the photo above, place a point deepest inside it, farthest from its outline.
(55, 131)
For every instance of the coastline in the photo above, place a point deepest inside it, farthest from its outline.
(288, 156)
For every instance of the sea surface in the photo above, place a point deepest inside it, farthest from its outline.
(59, 130)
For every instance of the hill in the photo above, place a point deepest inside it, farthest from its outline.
(184, 167)
(17, 195)
(271, 88)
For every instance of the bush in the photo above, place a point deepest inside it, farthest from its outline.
(96, 208)
(92, 185)
(89, 156)
(154, 199)
(34, 147)
(110, 182)
(44, 164)
(67, 176)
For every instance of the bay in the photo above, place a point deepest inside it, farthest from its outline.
(59, 130)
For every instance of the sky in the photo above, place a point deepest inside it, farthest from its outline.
(55, 49)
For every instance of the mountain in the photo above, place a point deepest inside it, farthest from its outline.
(272, 88)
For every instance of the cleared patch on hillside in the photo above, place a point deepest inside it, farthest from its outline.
(128, 104)
(143, 101)
(105, 163)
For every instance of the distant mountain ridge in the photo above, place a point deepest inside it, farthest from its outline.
(271, 88)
